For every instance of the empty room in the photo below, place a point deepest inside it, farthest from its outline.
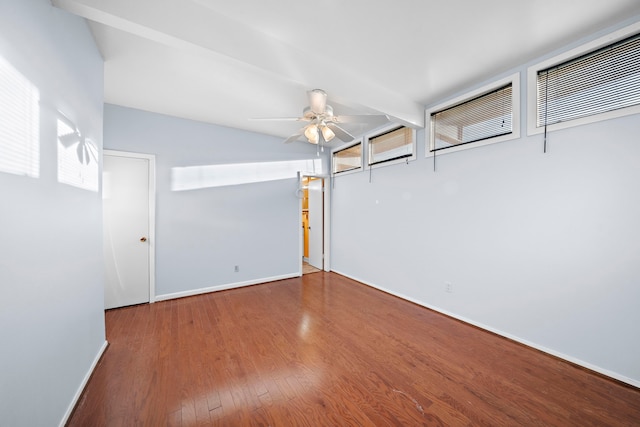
(319, 214)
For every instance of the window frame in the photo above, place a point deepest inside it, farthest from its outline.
(346, 147)
(577, 52)
(388, 129)
(513, 79)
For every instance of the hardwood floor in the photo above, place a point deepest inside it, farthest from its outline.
(308, 268)
(323, 350)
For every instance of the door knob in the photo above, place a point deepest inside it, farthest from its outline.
(143, 239)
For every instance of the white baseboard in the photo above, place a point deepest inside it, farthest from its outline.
(223, 287)
(83, 384)
(571, 359)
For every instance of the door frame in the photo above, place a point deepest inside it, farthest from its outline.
(152, 212)
(326, 218)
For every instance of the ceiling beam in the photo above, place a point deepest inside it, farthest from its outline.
(210, 33)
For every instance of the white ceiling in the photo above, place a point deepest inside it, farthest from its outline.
(225, 62)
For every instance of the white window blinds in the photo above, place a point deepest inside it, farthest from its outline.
(604, 80)
(396, 144)
(486, 116)
(348, 159)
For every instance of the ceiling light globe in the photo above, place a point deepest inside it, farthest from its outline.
(311, 132)
(327, 133)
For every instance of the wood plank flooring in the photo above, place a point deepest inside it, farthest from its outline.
(323, 350)
(308, 268)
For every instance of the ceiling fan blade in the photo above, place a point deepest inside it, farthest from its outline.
(293, 137)
(280, 119)
(342, 134)
(317, 100)
(372, 119)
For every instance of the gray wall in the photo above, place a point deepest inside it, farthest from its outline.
(51, 267)
(201, 234)
(543, 248)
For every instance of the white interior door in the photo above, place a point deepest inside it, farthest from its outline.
(316, 223)
(126, 230)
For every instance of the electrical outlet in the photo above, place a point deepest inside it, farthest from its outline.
(236, 268)
(448, 287)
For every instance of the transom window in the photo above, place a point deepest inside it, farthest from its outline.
(601, 81)
(487, 115)
(480, 118)
(390, 145)
(347, 159)
(597, 81)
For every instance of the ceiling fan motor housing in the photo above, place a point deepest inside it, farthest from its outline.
(309, 114)
(317, 100)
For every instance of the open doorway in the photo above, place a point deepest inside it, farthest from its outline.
(313, 224)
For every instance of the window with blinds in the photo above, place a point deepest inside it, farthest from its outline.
(598, 82)
(395, 144)
(477, 119)
(347, 159)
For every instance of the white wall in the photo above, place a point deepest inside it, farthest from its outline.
(543, 248)
(201, 234)
(51, 274)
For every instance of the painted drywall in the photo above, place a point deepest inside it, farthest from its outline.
(542, 248)
(203, 233)
(51, 265)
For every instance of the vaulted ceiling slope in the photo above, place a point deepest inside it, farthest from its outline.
(225, 62)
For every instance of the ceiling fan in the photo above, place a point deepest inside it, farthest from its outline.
(322, 125)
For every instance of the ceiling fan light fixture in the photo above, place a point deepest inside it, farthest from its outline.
(327, 133)
(312, 134)
(319, 118)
